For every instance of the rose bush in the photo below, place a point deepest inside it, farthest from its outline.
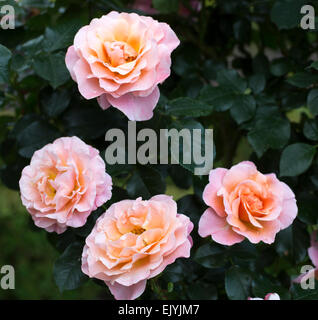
(245, 69)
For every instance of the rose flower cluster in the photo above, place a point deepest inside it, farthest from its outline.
(120, 59)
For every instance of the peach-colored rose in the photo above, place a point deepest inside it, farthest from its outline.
(246, 203)
(64, 183)
(134, 240)
(313, 255)
(269, 296)
(121, 58)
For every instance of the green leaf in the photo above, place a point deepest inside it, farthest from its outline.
(312, 101)
(115, 170)
(232, 80)
(298, 293)
(202, 291)
(269, 131)
(301, 241)
(293, 100)
(210, 256)
(24, 122)
(174, 272)
(218, 98)
(257, 83)
(302, 79)
(314, 65)
(62, 241)
(51, 67)
(62, 35)
(35, 136)
(180, 176)
(146, 182)
(293, 241)
(189, 206)
(188, 145)
(67, 268)
(286, 13)
(243, 251)
(32, 47)
(308, 208)
(165, 6)
(88, 120)
(280, 67)
(243, 108)
(5, 56)
(54, 103)
(19, 63)
(186, 61)
(210, 68)
(311, 130)
(237, 283)
(296, 159)
(189, 86)
(188, 107)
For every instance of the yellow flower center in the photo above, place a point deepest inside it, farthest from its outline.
(138, 230)
(120, 52)
(254, 202)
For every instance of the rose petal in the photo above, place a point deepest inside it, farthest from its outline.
(121, 292)
(212, 224)
(136, 108)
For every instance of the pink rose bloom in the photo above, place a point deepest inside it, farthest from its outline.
(64, 183)
(245, 203)
(146, 6)
(121, 58)
(269, 296)
(134, 240)
(313, 255)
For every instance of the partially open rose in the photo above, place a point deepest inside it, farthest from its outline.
(121, 58)
(135, 240)
(65, 181)
(269, 296)
(245, 203)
